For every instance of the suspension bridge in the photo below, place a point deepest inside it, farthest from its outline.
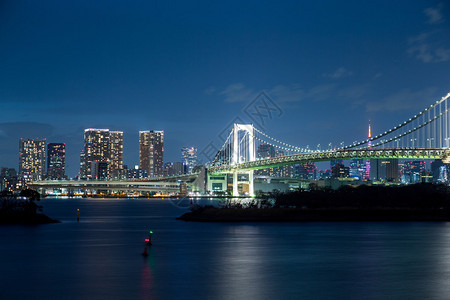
(423, 136)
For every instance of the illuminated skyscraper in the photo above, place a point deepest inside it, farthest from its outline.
(56, 161)
(116, 151)
(96, 148)
(82, 165)
(32, 159)
(189, 155)
(102, 145)
(151, 152)
(265, 151)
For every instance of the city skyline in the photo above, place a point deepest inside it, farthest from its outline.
(192, 70)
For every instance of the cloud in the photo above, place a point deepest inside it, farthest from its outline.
(237, 92)
(209, 91)
(293, 93)
(428, 48)
(339, 73)
(431, 47)
(287, 93)
(403, 100)
(434, 14)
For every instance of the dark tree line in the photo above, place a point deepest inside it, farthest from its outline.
(417, 196)
(19, 207)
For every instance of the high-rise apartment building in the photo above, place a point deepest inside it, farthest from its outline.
(32, 159)
(102, 145)
(56, 161)
(151, 152)
(96, 148)
(82, 175)
(189, 155)
(116, 150)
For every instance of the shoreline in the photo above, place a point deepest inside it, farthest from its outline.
(37, 219)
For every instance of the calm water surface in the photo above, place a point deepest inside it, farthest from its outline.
(100, 257)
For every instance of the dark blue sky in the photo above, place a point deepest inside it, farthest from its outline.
(191, 67)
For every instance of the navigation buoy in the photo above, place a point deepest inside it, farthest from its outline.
(148, 241)
(78, 215)
(145, 253)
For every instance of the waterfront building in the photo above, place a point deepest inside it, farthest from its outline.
(189, 155)
(305, 171)
(102, 145)
(335, 162)
(179, 168)
(358, 169)
(392, 173)
(99, 170)
(340, 171)
(384, 170)
(151, 152)
(173, 169)
(324, 174)
(439, 171)
(56, 161)
(265, 151)
(8, 179)
(32, 159)
(137, 173)
(96, 148)
(81, 174)
(116, 151)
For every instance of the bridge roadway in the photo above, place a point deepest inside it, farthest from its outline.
(366, 153)
(144, 186)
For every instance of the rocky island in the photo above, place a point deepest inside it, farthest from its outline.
(22, 209)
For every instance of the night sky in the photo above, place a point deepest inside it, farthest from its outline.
(191, 68)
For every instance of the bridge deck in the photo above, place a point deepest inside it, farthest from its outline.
(401, 153)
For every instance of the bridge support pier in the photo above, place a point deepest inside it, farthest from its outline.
(235, 184)
(251, 187)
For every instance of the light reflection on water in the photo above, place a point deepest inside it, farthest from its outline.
(100, 257)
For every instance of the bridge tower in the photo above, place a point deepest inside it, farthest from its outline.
(243, 151)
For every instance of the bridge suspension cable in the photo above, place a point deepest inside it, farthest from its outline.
(435, 131)
(428, 129)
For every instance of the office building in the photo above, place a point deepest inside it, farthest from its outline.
(32, 159)
(358, 169)
(56, 161)
(340, 171)
(189, 155)
(265, 151)
(305, 171)
(151, 152)
(384, 170)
